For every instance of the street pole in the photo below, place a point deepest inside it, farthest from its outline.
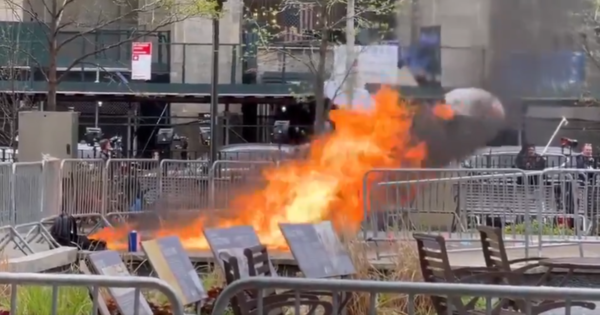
(350, 53)
(214, 83)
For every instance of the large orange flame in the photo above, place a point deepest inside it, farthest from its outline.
(325, 186)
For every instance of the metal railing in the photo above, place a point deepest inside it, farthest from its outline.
(453, 293)
(441, 200)
(130, 286)
(536, 208)
(550, 206)
(553, 206)
(32, 191)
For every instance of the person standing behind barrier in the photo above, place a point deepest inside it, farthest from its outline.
(529, 160)
(586, 161)
(184, 149)
(105, 149)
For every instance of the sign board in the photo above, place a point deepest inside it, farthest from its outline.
(172, 264)
(233, 241)
(141, 61)
(102, 307)
(109, 263)
(317, 249)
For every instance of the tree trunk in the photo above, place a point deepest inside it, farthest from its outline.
(321, 112)
(53, 54)
(52, 78)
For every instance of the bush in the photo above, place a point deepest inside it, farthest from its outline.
(536, 227)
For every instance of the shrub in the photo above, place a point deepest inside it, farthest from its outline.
(536, 227)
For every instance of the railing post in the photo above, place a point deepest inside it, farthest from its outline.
(105, 179)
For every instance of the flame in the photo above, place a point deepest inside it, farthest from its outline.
(326, 185)
(443, 111)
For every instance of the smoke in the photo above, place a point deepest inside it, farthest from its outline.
(521, 34)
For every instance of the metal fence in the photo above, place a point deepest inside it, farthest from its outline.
(130, 288)
(29, 191)
(541, 207)
(454, 294)
(536, 207)
(32, 191)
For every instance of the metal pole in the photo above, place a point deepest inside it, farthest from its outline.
(97, 113)
(350, 55)
(214, 98)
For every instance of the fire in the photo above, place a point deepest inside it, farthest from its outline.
(443, 111)
(326, 185)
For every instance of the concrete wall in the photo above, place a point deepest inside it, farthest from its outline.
(195, 58)
(81, 15)
(303, 60)
(11, 11)
(465, 36)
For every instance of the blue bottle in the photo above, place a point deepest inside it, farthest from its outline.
(133, 241)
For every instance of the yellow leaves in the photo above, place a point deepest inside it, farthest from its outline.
(193, 8)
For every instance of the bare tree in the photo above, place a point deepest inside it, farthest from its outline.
(11, 72)
(311, 49)
(64, 22)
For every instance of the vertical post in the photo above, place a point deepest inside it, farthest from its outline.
(214, 97)
(350, 55)
(415, 21)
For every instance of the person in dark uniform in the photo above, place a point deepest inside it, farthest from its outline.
(529, 160)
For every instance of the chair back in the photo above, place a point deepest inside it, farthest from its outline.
(435, 267)
(494, 251)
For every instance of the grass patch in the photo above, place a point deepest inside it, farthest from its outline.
(536, 227)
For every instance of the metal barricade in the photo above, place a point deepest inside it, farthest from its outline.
(51, 196)
(409, 296)
(130, 287)
(229, 178)
(28, 191)
(6, 182)
(398, 202)
(82, 183)
(184, 184)
(132, 185)
(575, 194)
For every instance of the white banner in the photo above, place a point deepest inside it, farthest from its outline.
(373, 64)
(141, 61)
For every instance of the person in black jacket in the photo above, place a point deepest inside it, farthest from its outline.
(529, 160)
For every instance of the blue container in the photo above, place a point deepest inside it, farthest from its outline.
(133, 241)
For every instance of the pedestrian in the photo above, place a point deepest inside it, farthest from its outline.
(529, 160)
(184, 149)
(105, 149)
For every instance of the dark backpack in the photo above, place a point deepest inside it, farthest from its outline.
(64, 231)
